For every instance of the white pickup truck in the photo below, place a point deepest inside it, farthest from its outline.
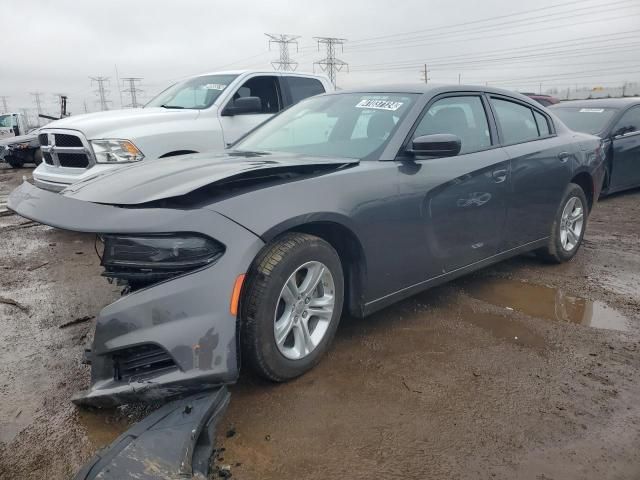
(202, 113)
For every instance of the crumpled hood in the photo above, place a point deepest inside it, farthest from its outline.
(19, 139)
(175, 176)
(114, 123)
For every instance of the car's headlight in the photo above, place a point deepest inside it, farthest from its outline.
(142, 260)
(116, 151)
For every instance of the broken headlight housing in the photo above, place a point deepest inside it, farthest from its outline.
(116, 151)
(142, 260)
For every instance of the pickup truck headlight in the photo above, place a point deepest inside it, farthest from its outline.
(142, 260)
(116, 151)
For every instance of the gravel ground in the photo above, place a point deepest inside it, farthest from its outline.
(522, 370)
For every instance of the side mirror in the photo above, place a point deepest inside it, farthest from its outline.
(622, 131)
(243, 105)
(437, 145)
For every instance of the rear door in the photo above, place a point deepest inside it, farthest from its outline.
(540, 169)
(625, 170)
(464, 214)
(265, 87)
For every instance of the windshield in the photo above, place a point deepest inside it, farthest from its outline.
(6, 121)
(586, 120)
(352, 125)
(198, 92)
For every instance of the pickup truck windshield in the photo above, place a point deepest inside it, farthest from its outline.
(6, 121)
(585, 120)
(351, 125)
(198, 92)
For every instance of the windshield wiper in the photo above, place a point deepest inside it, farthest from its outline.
(172, 106)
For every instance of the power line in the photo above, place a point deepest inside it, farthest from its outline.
(330, 63)
(102, 93)
(284, 63)
(389, 38)
(132, 90)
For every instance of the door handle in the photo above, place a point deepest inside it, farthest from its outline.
(499, 176)
(563, 156)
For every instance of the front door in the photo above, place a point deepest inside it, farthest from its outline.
(267, 89)
(464, 209)
(625, 170)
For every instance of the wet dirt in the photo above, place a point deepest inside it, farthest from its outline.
(523, 370)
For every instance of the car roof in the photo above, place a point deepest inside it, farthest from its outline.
(600, 103)
(264, 71)
(434, 89)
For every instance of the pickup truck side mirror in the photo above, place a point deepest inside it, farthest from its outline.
(243, 105)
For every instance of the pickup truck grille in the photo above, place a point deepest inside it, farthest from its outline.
(141, 361)
(63, 140)
(73, 160)
(65, 149)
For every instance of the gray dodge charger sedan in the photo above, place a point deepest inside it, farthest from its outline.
(344, 203)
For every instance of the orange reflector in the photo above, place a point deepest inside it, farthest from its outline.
(235, 295)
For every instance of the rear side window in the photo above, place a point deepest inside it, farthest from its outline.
(302, 88)
(516, 121)
(543, 124)
(630, 122)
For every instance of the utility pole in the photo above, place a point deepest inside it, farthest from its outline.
(540, 89)
(459, 78)
(330, 63)
(284, 63)
(102, 93)
(62, 102)
(132, 90)
(624, 89)
(86, 110)
(38, 105)
(425, 74)
(5, 108)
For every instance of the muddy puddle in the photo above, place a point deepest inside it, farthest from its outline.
(546, 302)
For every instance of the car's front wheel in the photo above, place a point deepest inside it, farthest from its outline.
(291, 306)
(15, 162)
(568, 227)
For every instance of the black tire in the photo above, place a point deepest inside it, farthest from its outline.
(554, 252)
(15, 162)
(37, 157)
(261, 295)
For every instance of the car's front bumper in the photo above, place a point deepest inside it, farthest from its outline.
(188, 317)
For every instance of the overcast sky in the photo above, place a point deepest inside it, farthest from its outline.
(54, 46)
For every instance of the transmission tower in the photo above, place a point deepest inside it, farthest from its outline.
(132, 90)
(285, 63)
(5, 108)
(330, 63)
(38, 105)
(102, 93)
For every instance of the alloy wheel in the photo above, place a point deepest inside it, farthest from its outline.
(571, 224)
(304, 310)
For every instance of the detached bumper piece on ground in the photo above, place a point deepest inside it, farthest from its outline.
(175, 441)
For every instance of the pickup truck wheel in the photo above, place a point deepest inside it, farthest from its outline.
(568, 227)
(291, 306)
(15, 162)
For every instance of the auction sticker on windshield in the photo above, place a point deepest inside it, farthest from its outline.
(379, 104)
(591, 110)
(214, 86)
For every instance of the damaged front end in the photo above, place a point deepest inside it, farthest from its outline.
(172, 332)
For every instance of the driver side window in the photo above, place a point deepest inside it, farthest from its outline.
(630, 122)
(462, 116)
(265, 88)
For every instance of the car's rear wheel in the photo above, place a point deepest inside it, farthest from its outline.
(291, 306)
(568, 227)
(15, 162)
